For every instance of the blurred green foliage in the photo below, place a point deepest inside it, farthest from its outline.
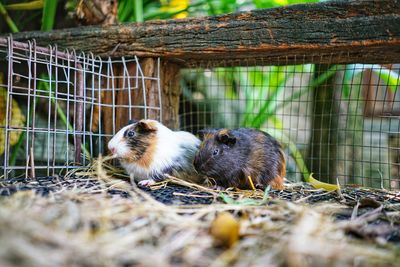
(166, 9)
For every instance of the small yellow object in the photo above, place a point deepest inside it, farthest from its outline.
(175, 6)
(225, 229)
(281, 2)
(17, 118)
(320, 185)
(251, 183)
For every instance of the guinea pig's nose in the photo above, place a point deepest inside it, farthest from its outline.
(112, 149)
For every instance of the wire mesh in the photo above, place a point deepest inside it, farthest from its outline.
(339, 122)
(60, 108)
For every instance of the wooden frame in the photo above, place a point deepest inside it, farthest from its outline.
(366, 31)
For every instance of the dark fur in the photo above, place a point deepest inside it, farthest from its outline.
(178, 170)
(242, 152)
(141, 140)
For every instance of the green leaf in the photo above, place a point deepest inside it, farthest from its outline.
(296, 155)
(124, 11)
(32, 5)
(227, 199)
(138, 10)
(242, 202)
(274, 3)
(269, 106)
(266, 195)
(46, 86)
(389, 77)
(346, 90)
(313, 83)
(49, 14)
(8, 19)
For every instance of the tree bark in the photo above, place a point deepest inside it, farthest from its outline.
(328, 32)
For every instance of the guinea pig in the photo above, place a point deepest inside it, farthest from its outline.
(148, 150)
(231, 156)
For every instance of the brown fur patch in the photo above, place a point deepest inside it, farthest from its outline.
(208, 135)
(260, 138)
(283, 165)
(223, 132)
(225, 136)
(143, 148)
(147, 125)
(148, 157)
(277, 182)
(257, 157)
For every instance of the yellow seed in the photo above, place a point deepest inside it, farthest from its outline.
(225, 229)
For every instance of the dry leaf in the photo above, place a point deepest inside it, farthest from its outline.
(320, 185)
(17, 118)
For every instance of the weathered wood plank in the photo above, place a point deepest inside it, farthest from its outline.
(329, 32)
(324, 126)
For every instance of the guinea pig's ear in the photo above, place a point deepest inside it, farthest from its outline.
(146, 126)
(203, 134)
(226, 138)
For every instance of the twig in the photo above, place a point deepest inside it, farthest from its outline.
(191, 185)
(191, 195)
(32, 163)
(251, 183)
(311, 196)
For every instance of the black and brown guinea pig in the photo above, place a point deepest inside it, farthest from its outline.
(148, 150)
(229, 157)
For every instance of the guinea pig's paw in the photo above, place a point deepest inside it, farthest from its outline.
(260, 186)
(218, 188)
(147, 182)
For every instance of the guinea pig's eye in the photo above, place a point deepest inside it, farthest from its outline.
(215, 152)
(130, 134)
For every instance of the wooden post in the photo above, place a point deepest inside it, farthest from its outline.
(170, 93)
(149, 69)
(323, 144)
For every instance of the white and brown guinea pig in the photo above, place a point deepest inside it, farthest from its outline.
(231, 156)
(148, 150)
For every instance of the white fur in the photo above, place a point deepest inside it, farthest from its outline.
(168, 148)
(117, 143)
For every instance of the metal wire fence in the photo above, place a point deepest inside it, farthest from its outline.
(340, 122)
(59, 108)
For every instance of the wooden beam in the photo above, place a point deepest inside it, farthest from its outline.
(365, 31)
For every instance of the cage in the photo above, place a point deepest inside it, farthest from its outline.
(308, 76)
(60, 108)
(339, 122)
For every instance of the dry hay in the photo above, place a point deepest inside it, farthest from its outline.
(85, 226)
